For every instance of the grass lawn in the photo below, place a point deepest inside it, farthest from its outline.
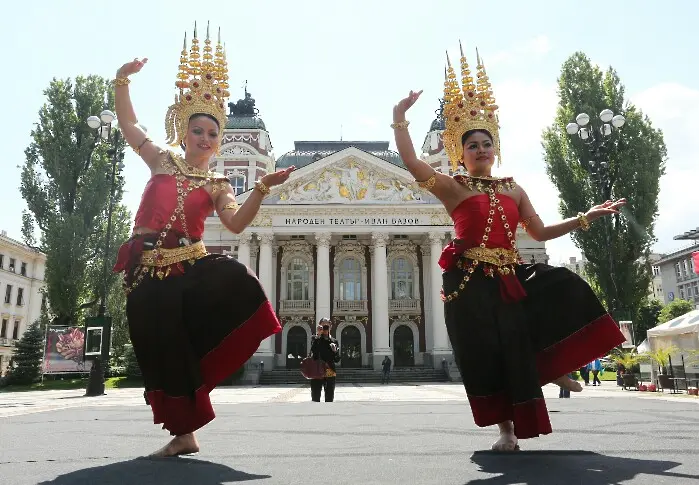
(607, 376)
(111, 383)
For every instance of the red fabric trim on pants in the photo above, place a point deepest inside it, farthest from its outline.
(585, 345)
(530, 418)
(185, 414)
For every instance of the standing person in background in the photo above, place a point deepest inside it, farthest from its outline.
(585, 374)
(325, 348)
(596, 367)
(385, 370)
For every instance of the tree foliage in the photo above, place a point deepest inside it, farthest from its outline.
(66, 185)
(675, 309)
(636, 157)
(647, 317)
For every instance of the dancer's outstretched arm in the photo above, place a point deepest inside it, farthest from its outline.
(536, 228)
(236, 218)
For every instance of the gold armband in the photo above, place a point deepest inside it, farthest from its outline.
(121, 81)
(138, 148)
(400, 125)
(230, 205)
(429, 183)
(262, 188)
(584, 223)
(525, 222)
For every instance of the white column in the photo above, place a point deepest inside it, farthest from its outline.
(427, 295)
(266, 276)
(323, 275)
(379, 315)
(244, 248)
(440, 337)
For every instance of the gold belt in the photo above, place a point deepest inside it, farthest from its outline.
(166, 257)
(496, 256)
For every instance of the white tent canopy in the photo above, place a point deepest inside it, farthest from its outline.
(687, 323)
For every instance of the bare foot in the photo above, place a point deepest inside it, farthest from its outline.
(507, 441)
(567, 383)
(180, 445)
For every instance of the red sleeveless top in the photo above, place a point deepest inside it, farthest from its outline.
(159, 201)
(471, 215)
(470, 220)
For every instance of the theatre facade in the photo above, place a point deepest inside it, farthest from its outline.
(350, 237)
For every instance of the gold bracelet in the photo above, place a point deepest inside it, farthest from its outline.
(400, 125)
(429, 183)
(584, 223)
(121, 81)
(138, 148)
(262, 188)
(231, 205)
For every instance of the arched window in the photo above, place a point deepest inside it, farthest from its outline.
(350, 280)
(297, 280)
(401, 279)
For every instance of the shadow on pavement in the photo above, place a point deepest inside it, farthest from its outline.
(156, 471)
(551, 467)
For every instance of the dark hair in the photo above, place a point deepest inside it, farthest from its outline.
(465, 136)
(198, 115)
(205, 115)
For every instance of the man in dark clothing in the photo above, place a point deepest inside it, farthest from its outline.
(386, 365)
(585, 374)
(325, 348)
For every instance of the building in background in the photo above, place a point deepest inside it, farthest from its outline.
(577, 266)
(678, 271)
(21, 284)
(350, 237)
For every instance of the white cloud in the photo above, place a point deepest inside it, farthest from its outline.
(674, 109)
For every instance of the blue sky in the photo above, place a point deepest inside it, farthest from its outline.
(318, 69)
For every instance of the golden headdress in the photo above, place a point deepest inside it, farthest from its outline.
(469, 107)
(203, 87)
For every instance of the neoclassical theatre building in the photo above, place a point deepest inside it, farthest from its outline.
(350, 237)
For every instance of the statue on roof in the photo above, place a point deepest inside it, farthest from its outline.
(245, 106)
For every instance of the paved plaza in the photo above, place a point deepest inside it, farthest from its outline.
(421, 434)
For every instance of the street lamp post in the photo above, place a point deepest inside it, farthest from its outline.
(101, 324)
(596, 135)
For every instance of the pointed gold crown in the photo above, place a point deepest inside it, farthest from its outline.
(469, 107)
(202, 81)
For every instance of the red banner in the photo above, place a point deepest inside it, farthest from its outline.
(695, 258)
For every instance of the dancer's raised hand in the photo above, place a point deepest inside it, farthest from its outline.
(406, 103)
(131, 67)
(278, 177)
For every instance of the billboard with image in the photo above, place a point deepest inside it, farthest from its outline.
(64, 351)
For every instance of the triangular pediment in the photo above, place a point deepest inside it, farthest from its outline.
(350, 176)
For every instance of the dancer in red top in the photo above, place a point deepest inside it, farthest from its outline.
(521, 325)
(194, 317)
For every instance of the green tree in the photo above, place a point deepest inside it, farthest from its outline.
(674, 309)
(25, 365)
(647, 317)
(66, 185)
(636, 161)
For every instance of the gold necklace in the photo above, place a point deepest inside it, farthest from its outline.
(485, 184)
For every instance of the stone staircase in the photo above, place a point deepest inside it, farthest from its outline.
(356, 376)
